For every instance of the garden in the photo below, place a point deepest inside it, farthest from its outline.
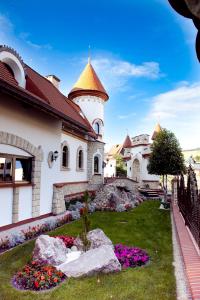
(145, 228)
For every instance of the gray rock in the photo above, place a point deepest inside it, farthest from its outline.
(111, 196)
(49, 250)
(96, 237)
(98, 260)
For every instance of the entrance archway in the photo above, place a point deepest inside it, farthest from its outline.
(136, 170)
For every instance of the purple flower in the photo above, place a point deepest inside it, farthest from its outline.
(130, 256)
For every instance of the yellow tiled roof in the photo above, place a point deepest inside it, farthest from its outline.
(89, 81)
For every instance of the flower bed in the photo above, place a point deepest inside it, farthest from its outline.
(17, 238)
(38, 277)
(130, 257)
(68, 240)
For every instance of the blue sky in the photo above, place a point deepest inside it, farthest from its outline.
(143, 52)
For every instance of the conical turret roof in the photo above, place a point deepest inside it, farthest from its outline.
(156, 131)
(127, 143)
(88, 84)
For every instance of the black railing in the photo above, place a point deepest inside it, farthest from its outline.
(189, 203)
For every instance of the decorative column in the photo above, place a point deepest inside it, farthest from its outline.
(15, 205)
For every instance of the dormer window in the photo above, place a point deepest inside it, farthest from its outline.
(14, 64)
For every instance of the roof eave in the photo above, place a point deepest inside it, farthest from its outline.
(35, 101)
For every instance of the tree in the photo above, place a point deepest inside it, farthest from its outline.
(166, 157)
(120, 165)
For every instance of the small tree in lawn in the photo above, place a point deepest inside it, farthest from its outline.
(86, 223)
(166, 157)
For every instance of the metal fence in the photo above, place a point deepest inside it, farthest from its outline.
(189, 203)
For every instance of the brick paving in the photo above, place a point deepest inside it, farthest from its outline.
(190, 255)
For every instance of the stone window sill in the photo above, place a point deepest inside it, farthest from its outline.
(15, 184)
(65, 169)
(80, 170)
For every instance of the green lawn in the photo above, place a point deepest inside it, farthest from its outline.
(147, 227)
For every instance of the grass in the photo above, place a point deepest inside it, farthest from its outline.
(146, 227)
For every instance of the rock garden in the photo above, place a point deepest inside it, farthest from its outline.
(115, 255)
(55, 259)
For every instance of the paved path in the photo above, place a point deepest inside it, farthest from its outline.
(190, 255)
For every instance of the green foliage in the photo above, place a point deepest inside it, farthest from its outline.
(197, 158)
(166, 157)
(120, 165)
(86, 223)
(146, 227)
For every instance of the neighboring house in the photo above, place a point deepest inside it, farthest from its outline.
(136, 152)
(51, 146)
(110, 160)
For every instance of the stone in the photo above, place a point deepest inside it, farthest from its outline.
(96, 237)
(98, 260)
(49, 250)
(74, 248)
(72, 256)
(112, 196)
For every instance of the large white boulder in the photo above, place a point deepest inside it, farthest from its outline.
(49, 250)
(98, 260)
(96, 237)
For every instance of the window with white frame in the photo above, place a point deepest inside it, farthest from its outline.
(97, 168)
(15, 168)
(80, 158)
(96, 164)
(65, 156)
(98, 125)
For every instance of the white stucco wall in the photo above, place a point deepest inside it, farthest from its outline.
(136, 153)
(45, 131)
(110, 168)
(25, 203)
(7, 149)
(92, 107)
(6, 199)
(72, 174)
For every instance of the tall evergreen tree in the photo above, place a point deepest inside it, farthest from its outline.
(166, 157)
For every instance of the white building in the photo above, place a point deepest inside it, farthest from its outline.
(51, 146)
(135, 152)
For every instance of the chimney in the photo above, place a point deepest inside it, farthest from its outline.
(54, 80)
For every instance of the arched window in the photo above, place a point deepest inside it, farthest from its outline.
(80, 159)
(97, 128)
(96, 164)
(65, 157)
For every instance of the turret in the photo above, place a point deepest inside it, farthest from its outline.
(89, 93)
(156, 131)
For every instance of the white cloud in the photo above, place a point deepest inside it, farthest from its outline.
(115, 73)
(179, 110)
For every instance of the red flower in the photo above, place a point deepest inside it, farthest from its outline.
(55, 279)
(36, 284)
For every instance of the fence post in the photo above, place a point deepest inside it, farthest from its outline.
(175, 190)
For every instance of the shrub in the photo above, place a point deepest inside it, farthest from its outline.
(37, 277)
